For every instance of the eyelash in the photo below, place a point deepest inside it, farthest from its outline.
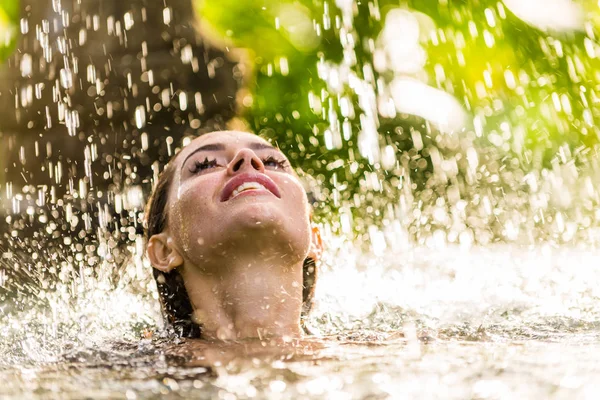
(280, 163)
(202, 165)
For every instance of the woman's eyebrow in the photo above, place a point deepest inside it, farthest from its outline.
(206, 147)
(260, 146)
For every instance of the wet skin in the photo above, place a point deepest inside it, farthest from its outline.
(240, 249)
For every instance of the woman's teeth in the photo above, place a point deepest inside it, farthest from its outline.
(247, 186)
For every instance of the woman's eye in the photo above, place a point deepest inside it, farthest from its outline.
(275, 163)
(200, 166)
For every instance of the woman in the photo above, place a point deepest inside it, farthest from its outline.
(230, 239)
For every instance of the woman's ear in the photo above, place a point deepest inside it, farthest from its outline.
(162, 252)
(316, 244)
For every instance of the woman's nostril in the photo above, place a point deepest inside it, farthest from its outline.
(253, 161)
(238, 164)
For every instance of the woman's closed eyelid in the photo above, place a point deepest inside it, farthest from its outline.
(207, 162)
(276, 162)
(199, 166)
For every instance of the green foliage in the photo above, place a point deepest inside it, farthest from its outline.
(546, 66)
(9, 27)
(530, 95)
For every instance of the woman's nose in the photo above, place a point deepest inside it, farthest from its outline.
(245, 159)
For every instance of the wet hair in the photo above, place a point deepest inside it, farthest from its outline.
(173, 297)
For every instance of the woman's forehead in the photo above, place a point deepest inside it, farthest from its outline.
(226, 137)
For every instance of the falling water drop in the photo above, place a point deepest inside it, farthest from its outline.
(140, 117)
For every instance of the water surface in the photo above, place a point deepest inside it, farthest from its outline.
(498, 322)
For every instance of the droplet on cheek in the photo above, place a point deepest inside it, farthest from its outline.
(199, 316)
(201, 241)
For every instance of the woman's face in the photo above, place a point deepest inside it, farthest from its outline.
(233, 194)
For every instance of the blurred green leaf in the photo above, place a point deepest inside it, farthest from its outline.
(9, 27)
(528, 92)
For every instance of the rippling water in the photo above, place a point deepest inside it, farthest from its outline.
(498, 322)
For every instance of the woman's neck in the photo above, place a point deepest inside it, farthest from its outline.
(246, 299)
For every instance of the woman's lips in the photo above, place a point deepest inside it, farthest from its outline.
(239, 180)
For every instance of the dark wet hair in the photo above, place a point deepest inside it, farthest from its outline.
(173, 297)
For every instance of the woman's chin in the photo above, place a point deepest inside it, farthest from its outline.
(254, 214)
(265, 227)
